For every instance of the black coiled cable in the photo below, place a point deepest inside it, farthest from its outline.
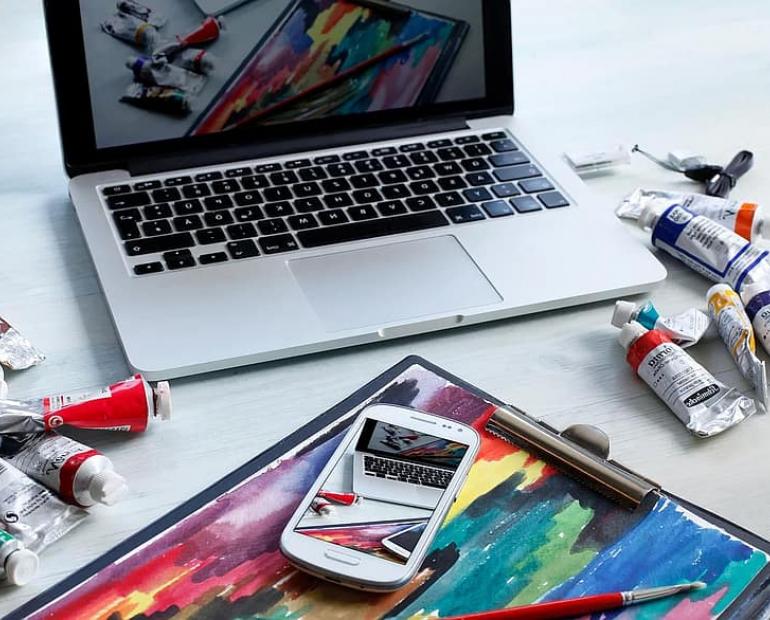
(720, 181)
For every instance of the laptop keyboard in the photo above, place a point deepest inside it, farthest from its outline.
(406, 472)
(231, 214)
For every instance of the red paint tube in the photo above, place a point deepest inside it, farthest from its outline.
(345, 499)
(126, 406)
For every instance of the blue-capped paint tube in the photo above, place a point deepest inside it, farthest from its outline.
(705, 246)
(684, 329)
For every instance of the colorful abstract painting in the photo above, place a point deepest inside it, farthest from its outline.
(361, 537)
(519, 532)
(331, 57)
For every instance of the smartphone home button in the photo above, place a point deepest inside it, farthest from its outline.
(344, 558)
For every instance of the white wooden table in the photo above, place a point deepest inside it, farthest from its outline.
(593, 73)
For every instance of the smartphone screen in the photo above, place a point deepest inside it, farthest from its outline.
(386, 485)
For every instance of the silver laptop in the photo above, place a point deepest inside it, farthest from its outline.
(318, 174)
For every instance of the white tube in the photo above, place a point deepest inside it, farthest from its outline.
(685, 329)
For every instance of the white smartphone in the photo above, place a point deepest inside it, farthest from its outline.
(370, 517)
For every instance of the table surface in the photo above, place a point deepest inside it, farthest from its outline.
(590, 74)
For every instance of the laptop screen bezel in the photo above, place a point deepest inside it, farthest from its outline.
(81, 154)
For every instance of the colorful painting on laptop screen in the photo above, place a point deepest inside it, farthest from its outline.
(332, 57)
(519, 532)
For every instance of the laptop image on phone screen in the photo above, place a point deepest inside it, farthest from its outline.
(315, 174)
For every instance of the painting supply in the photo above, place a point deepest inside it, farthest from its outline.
(171, 101)
(756, 298)
(748, 219)
(321, 507)
(193, 59)
(124, 406)
(705, 246)
(16, 352)
(344, 499)
(145, 13)
(684, 329)
(701, 402)
(79, 474)
(30, 512)
(159, 72)
(582, 606)
(19, 563)
(131, 30)
(207, 32)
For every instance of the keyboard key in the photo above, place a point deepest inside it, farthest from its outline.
(275, 209)
(420, 173)
(297, 163)
(324, 160)
(128, 230)
(251, 197)
(368, 165)
(504, 145)
(475, 165)
(505, 190)
(362, 181)
(336, 201)
(396, 161)
(188, 207)
(494, 135)
(287, 177)
(390, 177)
(421, 203)
(127, 215)
(115, 190)
(146, 268)
(157, 212)
(391, 207)
(394, 192)
(265, 168)
(227, 186)
(258, 181)
(366, 196)
(179, 259)
(437, 144)
(188, 222)
(423, 187)
(302, 222)
(366, 212)
(411, 148)
(332, 186)
(127, 201)
(241, 231)
(218, 218)
(468, 213)
(166, 195)
(384, 150)
(466, 139)
(450, 199)
(316, 173)
(515, 173)
(354, 155)
(156, 227)
(198, 190)
(205, 177)
(525, 204)
(210, 259)
(275, 194)
(249, 214)
(207, 236)
(333, 217)
(371, 229)
(173, 181)
(146, 185)
(452, 183)
(215, 203)
(237, 172)
(553, 200)
(451, 153)
(536, 185)
(272, 227)
(497, 208)
(423, 157)
(278, 243)
(303, 190)
(340, 170)
(447, 168)
(308, 205)
(477, 194)
(242, 249)
(512, 158)
(159, 244)
(477, 150)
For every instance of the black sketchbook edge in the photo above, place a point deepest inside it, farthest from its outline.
(755, 597)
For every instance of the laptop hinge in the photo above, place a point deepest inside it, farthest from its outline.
(232, 153)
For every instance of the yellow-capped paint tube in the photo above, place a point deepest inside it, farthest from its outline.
(734, 326)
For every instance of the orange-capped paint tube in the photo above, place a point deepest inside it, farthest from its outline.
(126, 406)
(702, 403)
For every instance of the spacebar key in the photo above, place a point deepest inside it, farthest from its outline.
(159, 244)
(372, 228)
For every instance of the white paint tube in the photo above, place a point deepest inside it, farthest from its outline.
(705, 246)
(30, 512)
(19, 563)
(684, 329)
(757, 299)
(748, 219)
(703, 404)
(734, 326)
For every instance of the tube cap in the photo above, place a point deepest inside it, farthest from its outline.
(624, 310)
(749, 292)
(163, 400)
(717, 288)
(630, 333)
(107, 487)
(21, 566)
(647, 216)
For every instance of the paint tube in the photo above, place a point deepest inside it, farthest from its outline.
(31, 513)
(208, 31)
(16, 352)
(19, 563)
(131, 30)
(124, 406)
(684, 329)
(705, 246)
(756, 298)
(734, 326)
(321, 507)
(159, 72)
(747, 219)
(170, 101)
(344, 499)
(145, 13)
(78, 474)
(701, 402)
(199, 61)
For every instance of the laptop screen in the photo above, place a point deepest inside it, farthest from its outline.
(163, 70)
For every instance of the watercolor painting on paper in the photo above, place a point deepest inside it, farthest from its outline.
(519, 532)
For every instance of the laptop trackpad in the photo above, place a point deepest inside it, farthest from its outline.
(392, 282)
